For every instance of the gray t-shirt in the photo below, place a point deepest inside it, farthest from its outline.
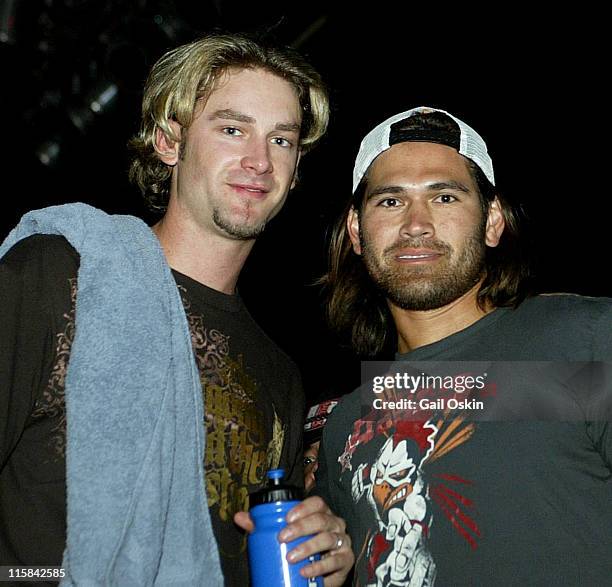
(456, 500)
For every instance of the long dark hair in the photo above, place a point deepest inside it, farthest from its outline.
(354, 305)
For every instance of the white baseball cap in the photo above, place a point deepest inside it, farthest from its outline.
(469, 143)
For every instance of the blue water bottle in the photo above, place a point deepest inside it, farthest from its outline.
(267, 556)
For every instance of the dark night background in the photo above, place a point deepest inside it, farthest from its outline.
(529, 82)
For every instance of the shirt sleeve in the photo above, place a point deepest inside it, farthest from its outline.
(27, 325)
(599, 407)
(600, 428)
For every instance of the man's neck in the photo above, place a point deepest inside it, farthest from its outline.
(211, 259)
(417, 329)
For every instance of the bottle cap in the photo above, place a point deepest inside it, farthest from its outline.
(275, 490)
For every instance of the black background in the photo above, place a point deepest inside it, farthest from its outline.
(530, 82)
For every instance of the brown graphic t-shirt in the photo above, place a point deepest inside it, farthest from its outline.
(252, 397)
(251, 390)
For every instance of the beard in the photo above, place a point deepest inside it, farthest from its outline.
(243, 232)
(430, 286)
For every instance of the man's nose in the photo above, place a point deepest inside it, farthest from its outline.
(257, 157)
(417, 221)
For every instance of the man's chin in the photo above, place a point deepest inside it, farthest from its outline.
(243, 233)
(239, 230)
(426, 294)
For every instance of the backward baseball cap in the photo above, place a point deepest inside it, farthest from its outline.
(388, 133)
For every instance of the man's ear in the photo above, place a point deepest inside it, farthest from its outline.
(165, 147)
(352, 226)
(495, 224)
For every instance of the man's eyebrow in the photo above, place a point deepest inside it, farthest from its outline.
(434, 187)
(229, 114)
(384, 189)
(451, 184)
(288, 126)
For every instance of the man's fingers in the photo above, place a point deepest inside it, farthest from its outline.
(312, 516)
(335, 565)
(311, 505)
(325, 542)
(243, 519)
(312, 524)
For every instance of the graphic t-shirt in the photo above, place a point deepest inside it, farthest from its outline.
(252, 398)
(454, 499)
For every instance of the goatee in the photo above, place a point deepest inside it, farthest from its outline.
(242, 232)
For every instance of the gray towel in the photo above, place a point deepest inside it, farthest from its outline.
(137, 512)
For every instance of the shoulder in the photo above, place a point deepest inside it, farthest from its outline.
(39, 262)
(564, 307)
(580, 324)
(40, 250)
(39, 272)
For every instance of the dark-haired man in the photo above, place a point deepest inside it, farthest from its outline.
(510, 482)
